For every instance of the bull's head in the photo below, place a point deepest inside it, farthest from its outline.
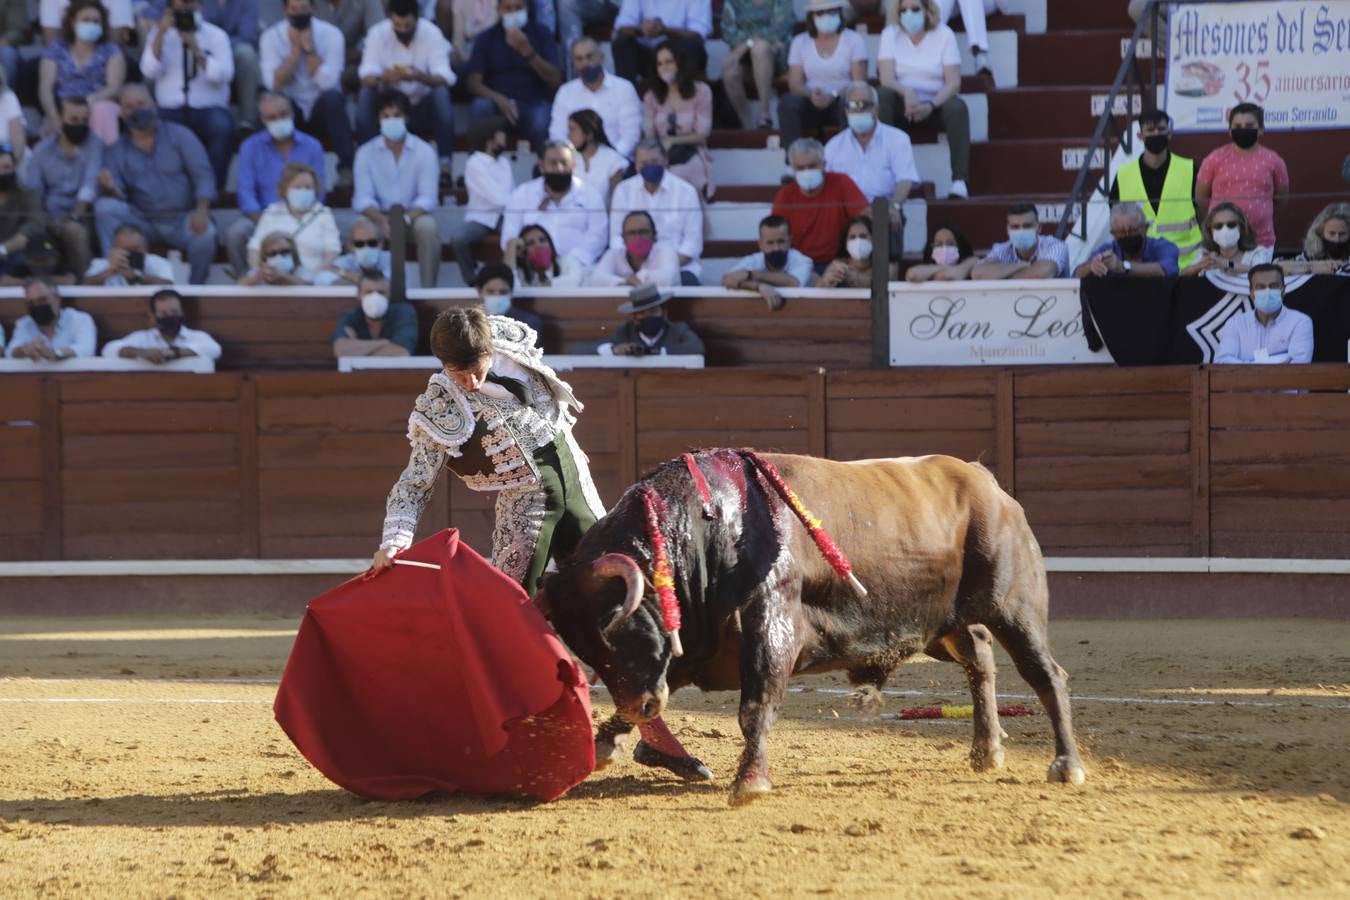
(598, 609)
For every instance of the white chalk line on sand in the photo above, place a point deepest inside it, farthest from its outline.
(830, 691)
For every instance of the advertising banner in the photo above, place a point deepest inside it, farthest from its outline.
(1291, 57)
(995, 323)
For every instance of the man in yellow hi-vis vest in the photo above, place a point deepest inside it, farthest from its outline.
(1164, 184)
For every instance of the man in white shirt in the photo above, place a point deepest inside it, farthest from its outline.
(411, 54)
(167, 338)
(644, 25)
(302, 57)
(776, 264)
(672, 202)
(190, 62)
(1271, 333)
(50, 332)
(129, 262)
(572, 214)
(400, 168)
(490, 181)
(879, 158)
(615, 99)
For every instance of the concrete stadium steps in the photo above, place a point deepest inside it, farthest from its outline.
(1070, 112)
(1042, 166)
(1073, 15)
(1072, 57)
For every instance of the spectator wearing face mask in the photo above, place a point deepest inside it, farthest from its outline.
(157, 176)
(1246, 173)
(298, 214)
(677, 110)
(1229, 244)
(490, 180)
(129, 262)
(167, 338)
(514, 71)
(537, 262)
(775, 266)
(822, 61)
(919, 62)
(376, 327)
(672, 202)
(366, 255)
(1026, 253)
(817, 203)
(599, 165)
(496, 285)
(190, 62)
(1270, 333)
(62, 170)
(85, 63)
(649, 330)
(263, 158)
(948, 257)
(302, 58)
(641, 259)
(1163, 183)
(852, 267)
(614, 99)
(51, 331)
(879, 158)
(399, 169)
(278, 264)
(573, 214)
(644, 25)
(1326, 249)
(1130, 252)
(408, 54)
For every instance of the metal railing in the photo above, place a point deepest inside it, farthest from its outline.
(1131, 82)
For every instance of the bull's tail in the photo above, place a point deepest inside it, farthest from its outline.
(827, 547)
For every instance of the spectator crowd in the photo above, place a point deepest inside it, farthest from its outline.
(144, 107)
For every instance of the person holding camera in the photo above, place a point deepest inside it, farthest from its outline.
(649, 330)
(190, 62)
(129, 262)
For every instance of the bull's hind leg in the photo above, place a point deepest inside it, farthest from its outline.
(1030, 652)
(973, 648)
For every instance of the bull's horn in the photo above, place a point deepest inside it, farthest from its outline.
(676, 648)
(616, 565)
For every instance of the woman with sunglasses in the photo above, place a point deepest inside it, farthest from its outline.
(677, 110)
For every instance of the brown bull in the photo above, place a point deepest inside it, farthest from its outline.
(947, 557)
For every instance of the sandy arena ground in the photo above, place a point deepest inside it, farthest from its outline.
(131, 767)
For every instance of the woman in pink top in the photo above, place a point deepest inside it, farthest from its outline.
(1245, 173)
(677, 110)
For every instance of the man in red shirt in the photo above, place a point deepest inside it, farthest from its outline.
(1245, 173)
(816, 203)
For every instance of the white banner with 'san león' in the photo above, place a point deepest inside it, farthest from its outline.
(989, 323)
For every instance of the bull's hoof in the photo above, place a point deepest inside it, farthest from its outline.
(748, 788)
(689, 768)
(866, 698)
(986, 761)
(604, 755)
(1066, 770)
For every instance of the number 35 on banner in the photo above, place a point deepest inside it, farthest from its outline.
(1253, 84)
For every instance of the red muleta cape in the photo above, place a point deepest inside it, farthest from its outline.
(418, 680)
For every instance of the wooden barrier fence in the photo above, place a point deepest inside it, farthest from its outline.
(1108, 462)
(293, 328)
